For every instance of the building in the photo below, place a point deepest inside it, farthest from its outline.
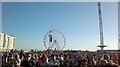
(6, 42)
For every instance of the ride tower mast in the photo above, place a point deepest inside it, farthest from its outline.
(101, 29)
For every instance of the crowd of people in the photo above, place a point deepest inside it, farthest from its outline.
(60, 59)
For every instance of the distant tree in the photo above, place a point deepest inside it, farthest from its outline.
(11, 50)
(32, 50)
(15, 50)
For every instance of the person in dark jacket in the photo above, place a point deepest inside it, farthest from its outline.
(27, 61)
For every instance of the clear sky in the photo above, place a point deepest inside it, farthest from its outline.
(0, 16)
(29, 22)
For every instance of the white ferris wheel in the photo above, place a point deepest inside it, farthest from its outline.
(55, 40)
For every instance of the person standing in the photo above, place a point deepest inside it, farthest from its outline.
(18, 61)
(27, 61)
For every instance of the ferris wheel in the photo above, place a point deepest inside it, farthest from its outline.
(54, 39)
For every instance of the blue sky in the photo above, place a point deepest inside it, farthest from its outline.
(29, 22)
(0, 16)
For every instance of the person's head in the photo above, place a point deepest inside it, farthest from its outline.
(28, 56)
(102, 62)
(57, 56)
(17, 56)
(79, 58)
(10, 54)
(60, 55)
(66, 56)
(83, 63)
(92, 62)
(111, 65)
(53, 57)
(107, 57)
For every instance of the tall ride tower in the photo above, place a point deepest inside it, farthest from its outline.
(101, 29)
